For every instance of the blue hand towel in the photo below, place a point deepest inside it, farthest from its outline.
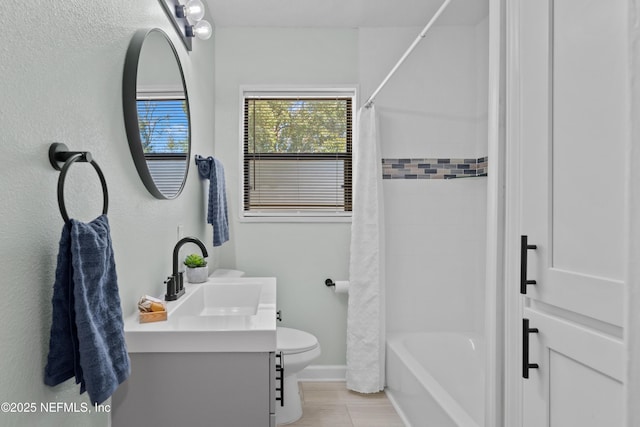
(87, 332)
(63, 360)
(217, 207)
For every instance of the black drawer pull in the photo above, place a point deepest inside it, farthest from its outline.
(526, 330)
(524, 247)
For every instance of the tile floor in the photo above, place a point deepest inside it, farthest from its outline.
(330, 404)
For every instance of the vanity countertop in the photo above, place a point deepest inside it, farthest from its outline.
(191, 328)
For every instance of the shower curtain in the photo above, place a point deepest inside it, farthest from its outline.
(365, 316)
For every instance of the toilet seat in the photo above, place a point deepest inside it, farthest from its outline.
(293, 341)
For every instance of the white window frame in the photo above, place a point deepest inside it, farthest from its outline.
(291, 92)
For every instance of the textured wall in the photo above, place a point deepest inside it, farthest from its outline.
(61, 66)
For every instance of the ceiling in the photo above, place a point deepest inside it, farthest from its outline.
(343, 13)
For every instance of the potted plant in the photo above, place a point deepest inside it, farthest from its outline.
(197, 270)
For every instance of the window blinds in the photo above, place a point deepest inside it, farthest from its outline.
(297, 155)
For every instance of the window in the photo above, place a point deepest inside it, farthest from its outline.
(297, 154)
(164, 133)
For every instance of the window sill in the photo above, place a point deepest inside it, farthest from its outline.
(295, 219)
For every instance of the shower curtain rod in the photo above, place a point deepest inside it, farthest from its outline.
(422, 34)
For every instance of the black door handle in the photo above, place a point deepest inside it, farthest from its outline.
(524, 247)
(526, 330)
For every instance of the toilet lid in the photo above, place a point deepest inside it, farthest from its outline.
(290, 341)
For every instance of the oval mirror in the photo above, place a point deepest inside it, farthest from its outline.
(156, 113)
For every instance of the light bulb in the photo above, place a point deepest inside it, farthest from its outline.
(202, 30)
(194, 10)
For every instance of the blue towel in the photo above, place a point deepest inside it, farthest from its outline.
(87, 331)
(217, 207)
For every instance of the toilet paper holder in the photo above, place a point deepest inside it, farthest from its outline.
(339, 286)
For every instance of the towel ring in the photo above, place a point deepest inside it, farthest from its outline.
(59, 153)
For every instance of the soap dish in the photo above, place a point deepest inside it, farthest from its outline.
(153, 316)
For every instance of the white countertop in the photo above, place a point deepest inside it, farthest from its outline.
(218, 333)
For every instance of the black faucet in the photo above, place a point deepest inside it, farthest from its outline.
(175, 284)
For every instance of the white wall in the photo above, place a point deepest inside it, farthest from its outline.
(435, 230)
(61, 71)
(434, 107)
(481, 38)
(301, 256)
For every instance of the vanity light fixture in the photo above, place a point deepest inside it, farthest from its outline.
(187, 19)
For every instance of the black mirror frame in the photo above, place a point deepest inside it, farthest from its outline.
(129, 99)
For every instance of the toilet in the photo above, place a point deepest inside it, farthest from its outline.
(298, 349)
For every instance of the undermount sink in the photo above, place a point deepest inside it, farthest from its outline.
(223, 314)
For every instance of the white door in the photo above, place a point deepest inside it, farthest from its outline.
(573, 125)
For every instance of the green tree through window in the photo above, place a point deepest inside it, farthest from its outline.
(297, 126)
(163, 124)
(297, 154)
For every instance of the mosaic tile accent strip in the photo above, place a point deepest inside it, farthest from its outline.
(433, 168)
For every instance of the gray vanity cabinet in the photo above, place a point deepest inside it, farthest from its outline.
(197, 389)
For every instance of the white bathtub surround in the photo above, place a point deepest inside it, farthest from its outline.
(365, 316)
(440, 374)
(435, 228)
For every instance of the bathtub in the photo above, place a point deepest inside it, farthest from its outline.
(436, 379)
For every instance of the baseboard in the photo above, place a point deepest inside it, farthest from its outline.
(323, 373)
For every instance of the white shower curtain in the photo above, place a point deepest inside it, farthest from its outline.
(365, 317)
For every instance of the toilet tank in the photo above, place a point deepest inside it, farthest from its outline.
(223, 272)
